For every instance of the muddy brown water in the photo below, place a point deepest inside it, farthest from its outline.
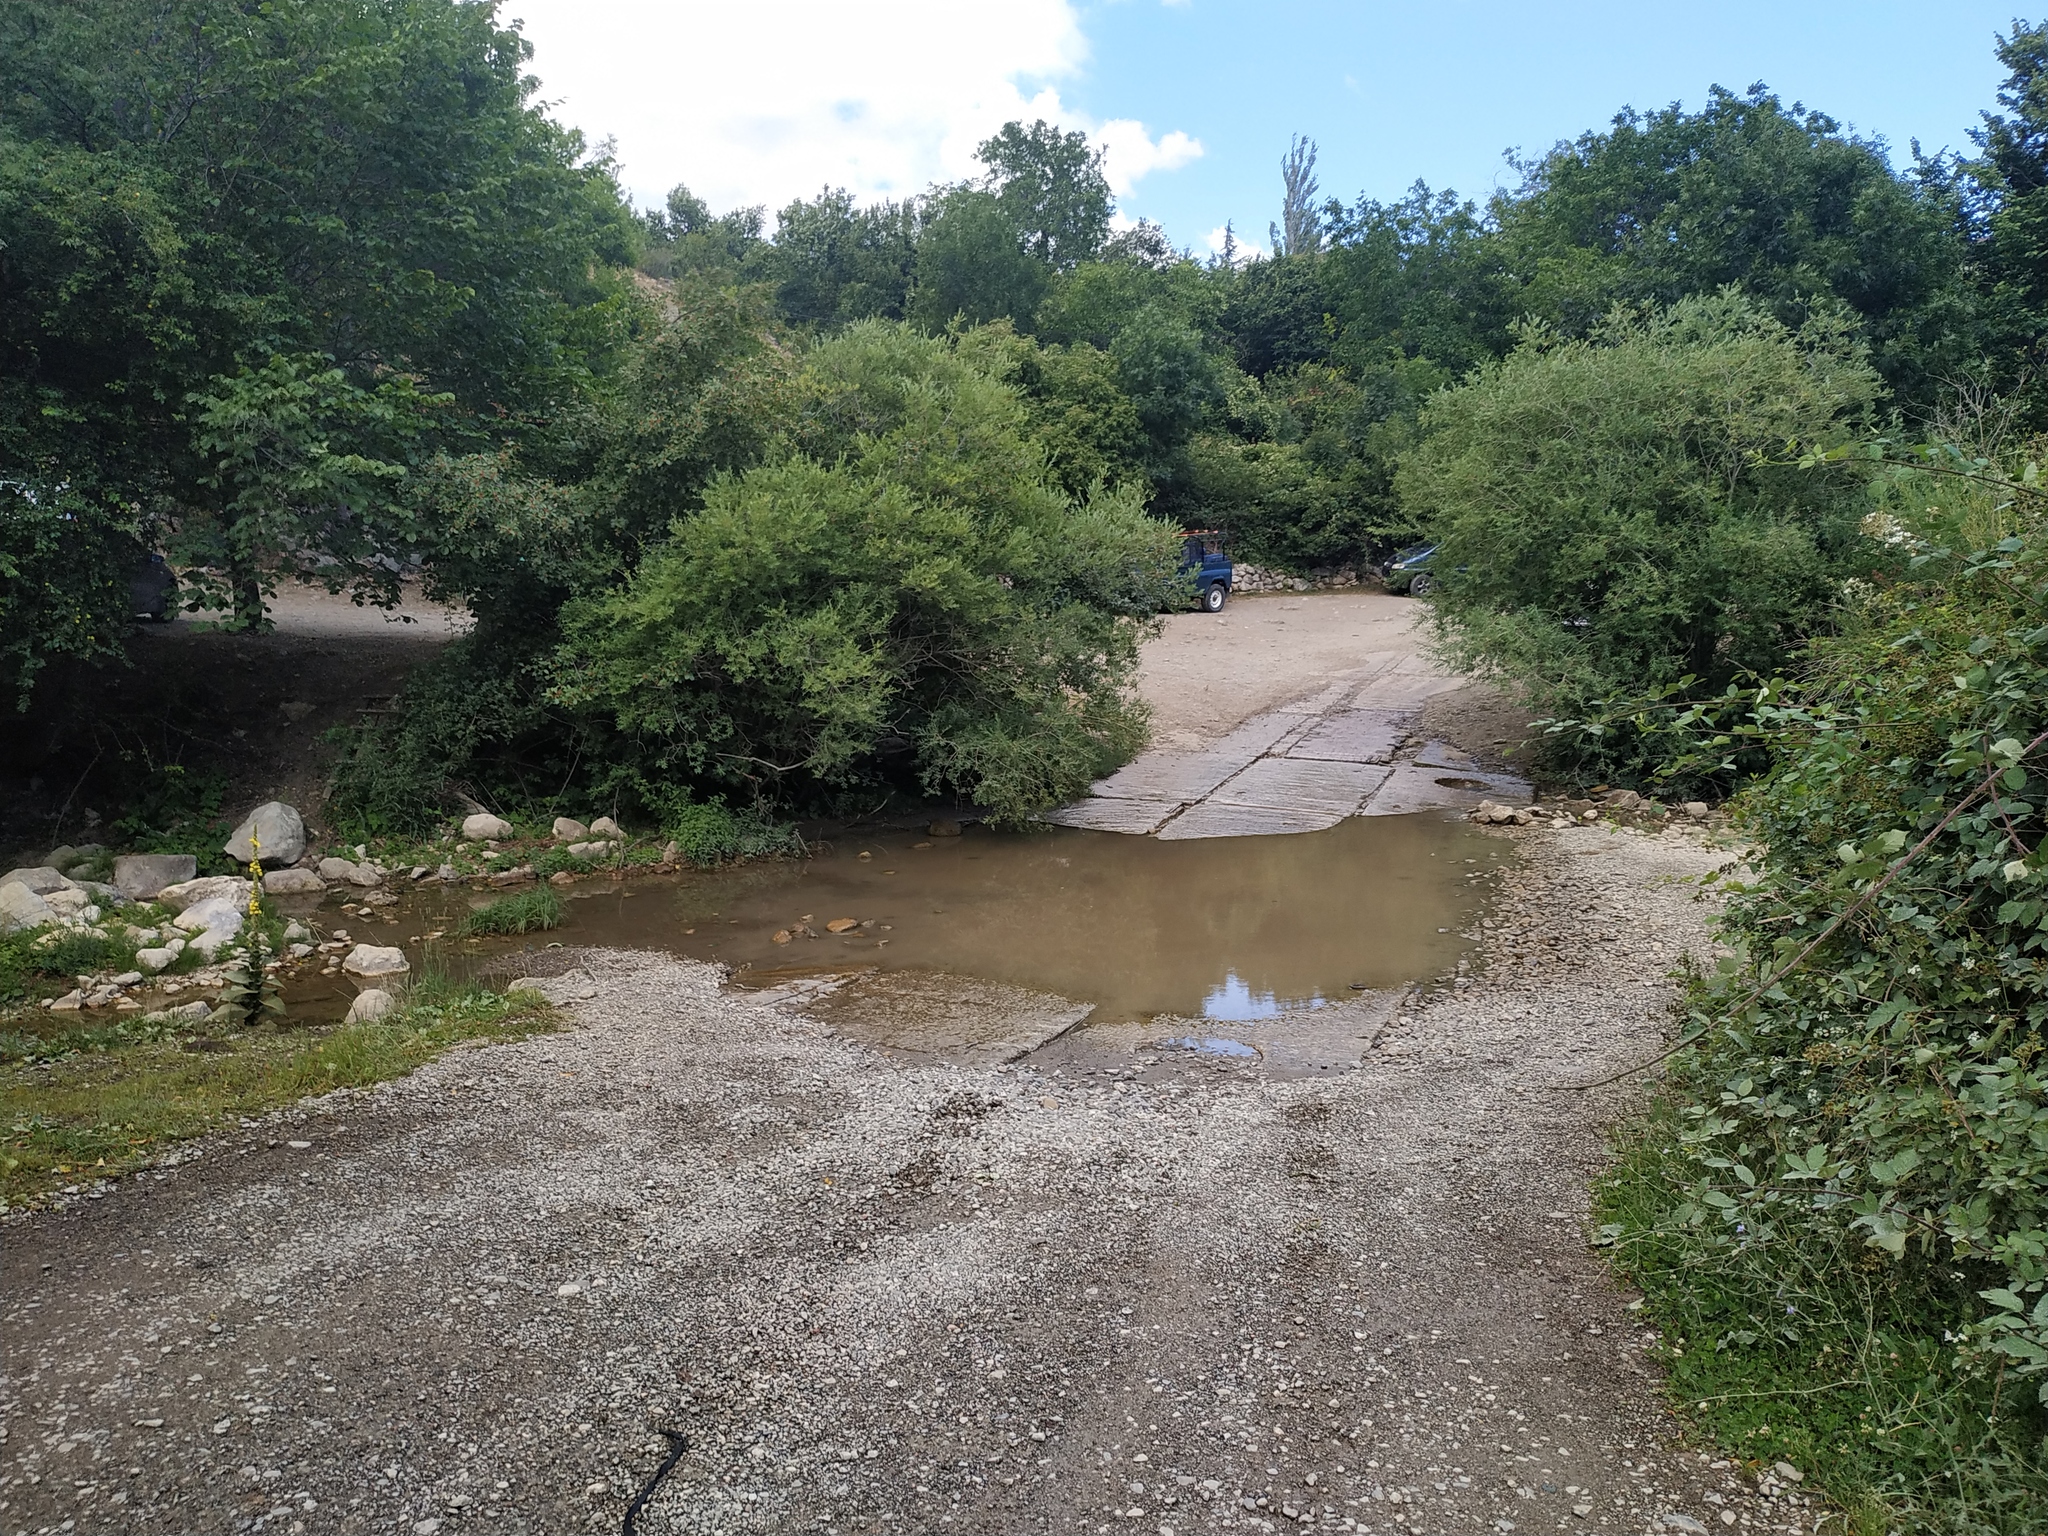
(1229, 929)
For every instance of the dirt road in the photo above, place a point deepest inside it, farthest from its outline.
(1115, 1290)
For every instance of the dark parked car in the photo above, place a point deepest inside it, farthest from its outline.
(1204, 556)
(153, 590)
(1409, 571)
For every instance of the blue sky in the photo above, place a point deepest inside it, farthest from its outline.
(1438, 90)
(1196, 98)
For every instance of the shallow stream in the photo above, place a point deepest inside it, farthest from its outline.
(1229, 929)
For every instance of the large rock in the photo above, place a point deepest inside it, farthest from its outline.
(376, 960)
(373, 1003)
(570, 830)
(483, 827)
(352, 874)
(190, 893)
(139, 876)
(22, 908)
(157, 958)
(212, 923)
(39, 878)
(293, 882)
(604, 826)
(279, 833)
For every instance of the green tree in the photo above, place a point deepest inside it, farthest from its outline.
(832, 262)
(912, 585)
(1052, 187)
(199, 194)
(1748, 191)
(1616, 513)
(972, 264)
(2007, 213)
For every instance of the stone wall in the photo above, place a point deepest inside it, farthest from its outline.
(1259, 578)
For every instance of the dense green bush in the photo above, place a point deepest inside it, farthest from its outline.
(1854, 1187)
(911, 586)
(1620, 514)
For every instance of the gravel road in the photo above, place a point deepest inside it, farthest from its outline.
(1118, 1295)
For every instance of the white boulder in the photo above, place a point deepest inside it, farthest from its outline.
(604, 826)
(212, 924)
(376, 960)
(293, 882)
(371, 1004)
(279, 836)
(21, 908)
(483, 827)
(569, 830)
(191, 892)
(40, 879)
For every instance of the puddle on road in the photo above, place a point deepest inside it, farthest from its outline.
(1229, 929)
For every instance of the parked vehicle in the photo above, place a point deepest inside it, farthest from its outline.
(1205, 555)
(153, 590)
(1409, 572)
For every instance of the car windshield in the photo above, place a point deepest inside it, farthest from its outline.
(1414, 552)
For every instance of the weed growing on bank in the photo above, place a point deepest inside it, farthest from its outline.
(533, 911)
(118, 1096)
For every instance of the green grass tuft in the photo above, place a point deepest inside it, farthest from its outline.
(119, 1098)
(533, 911)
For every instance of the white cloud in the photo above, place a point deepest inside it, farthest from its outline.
(772, 100)
(1134, 155)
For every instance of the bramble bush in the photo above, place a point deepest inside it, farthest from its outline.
(1852, 1189)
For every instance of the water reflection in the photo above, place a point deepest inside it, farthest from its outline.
(1234, 1000)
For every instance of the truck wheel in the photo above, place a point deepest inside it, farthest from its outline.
(1212, 599)
(1420, 586)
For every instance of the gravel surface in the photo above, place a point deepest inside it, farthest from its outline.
(878, 1296)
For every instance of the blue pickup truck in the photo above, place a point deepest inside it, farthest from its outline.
(1204, 556)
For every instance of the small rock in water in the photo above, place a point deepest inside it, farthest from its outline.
(781, 936)
(292, 882)
(842, 924)
(944, 827)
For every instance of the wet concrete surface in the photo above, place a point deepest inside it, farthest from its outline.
(1348, 748)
